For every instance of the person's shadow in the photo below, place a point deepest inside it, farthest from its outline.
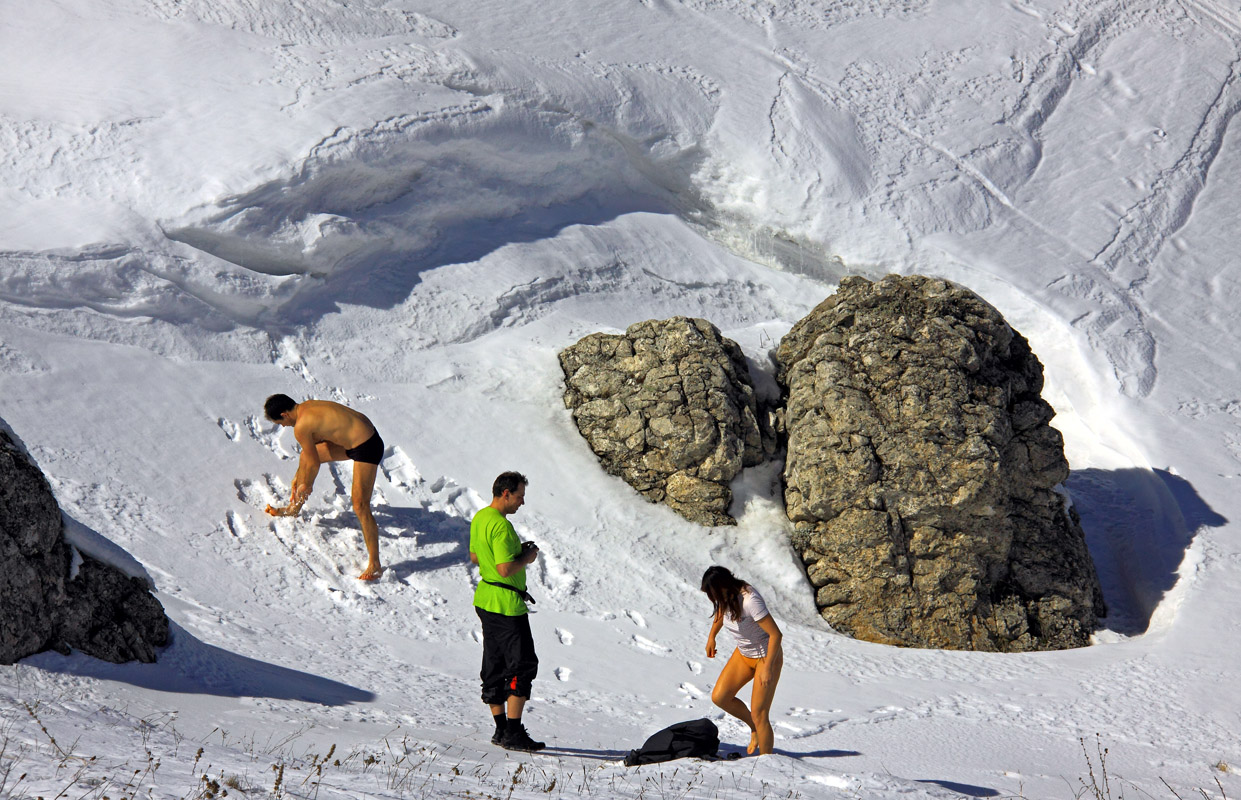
(1138, 525)
(818, 753)
(963, 788)
(578, 752)
(433, 528)
(427, 526)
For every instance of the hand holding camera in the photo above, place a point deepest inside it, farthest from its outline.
(529, 551)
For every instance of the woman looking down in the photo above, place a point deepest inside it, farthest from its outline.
(759, 656)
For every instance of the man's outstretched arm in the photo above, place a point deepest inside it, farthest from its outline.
(304, 480)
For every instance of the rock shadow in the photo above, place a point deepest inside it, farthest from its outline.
(191, 666)
(1138, 525)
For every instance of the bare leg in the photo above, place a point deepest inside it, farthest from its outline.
(511, 708)
(760, 704)
(363, 485)
(736, 674)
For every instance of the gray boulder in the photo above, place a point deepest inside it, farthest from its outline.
(921, 474)
(47, 603)
(669, 407)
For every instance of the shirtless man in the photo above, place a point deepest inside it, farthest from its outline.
(328, 431)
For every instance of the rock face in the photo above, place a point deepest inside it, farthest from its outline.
(921, 471)
(98, 610)
(669, 407)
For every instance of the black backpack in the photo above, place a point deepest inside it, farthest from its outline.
(698, 738)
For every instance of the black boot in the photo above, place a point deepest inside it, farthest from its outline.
(516, 738)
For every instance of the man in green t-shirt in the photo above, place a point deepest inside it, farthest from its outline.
(509, 662)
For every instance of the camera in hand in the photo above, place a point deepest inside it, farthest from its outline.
(526, 547)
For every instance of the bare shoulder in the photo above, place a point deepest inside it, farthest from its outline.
(320, 412)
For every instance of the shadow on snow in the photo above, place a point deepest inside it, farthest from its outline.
(430, 530)
(363, 219)
(1138, 524)
(963, 788)
(191, 666)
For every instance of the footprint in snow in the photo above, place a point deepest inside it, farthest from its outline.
(564, 636)
(231, 429)
(798, 732)
(643, 643)
(798, 711)
(691, 690)
(399, 470)
(237, 525)
(563, 673)
(267, 436)
(636, 618)
(257, 494)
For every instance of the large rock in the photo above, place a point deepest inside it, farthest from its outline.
(669, 407)
(49, 602)
(921, 474)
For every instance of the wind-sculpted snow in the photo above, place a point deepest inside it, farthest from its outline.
(410, 208)
(369, 211)
(814, 14)
(309, 22)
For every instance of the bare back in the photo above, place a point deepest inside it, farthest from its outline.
(325, 421)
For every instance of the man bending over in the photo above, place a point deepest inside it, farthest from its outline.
(328, 431)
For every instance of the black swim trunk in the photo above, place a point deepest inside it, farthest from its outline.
(369, 452)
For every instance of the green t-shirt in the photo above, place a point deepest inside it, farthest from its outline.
(494, 541)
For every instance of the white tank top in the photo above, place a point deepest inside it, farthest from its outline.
(751, 638)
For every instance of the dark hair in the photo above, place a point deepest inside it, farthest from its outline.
(508, 482)
(724, 589)
(276, 405)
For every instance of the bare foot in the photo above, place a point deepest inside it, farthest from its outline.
(287, 511)
(371, 574)
(753, 745)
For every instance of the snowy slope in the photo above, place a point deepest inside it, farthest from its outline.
(410, 207)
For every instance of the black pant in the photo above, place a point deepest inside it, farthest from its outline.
(509, 662)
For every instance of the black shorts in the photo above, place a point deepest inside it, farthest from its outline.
(509, 662)
(369, 452)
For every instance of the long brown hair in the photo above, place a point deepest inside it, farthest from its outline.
(724, 590)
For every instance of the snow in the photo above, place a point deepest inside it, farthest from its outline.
(410, 207)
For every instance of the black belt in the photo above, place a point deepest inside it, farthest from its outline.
(522, 592)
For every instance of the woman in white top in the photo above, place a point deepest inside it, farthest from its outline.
(759, 656)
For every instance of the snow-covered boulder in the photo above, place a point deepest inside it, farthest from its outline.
(669, 407)
(921, 474)
(47, 601)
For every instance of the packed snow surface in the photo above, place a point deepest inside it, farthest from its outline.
(410, 207)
